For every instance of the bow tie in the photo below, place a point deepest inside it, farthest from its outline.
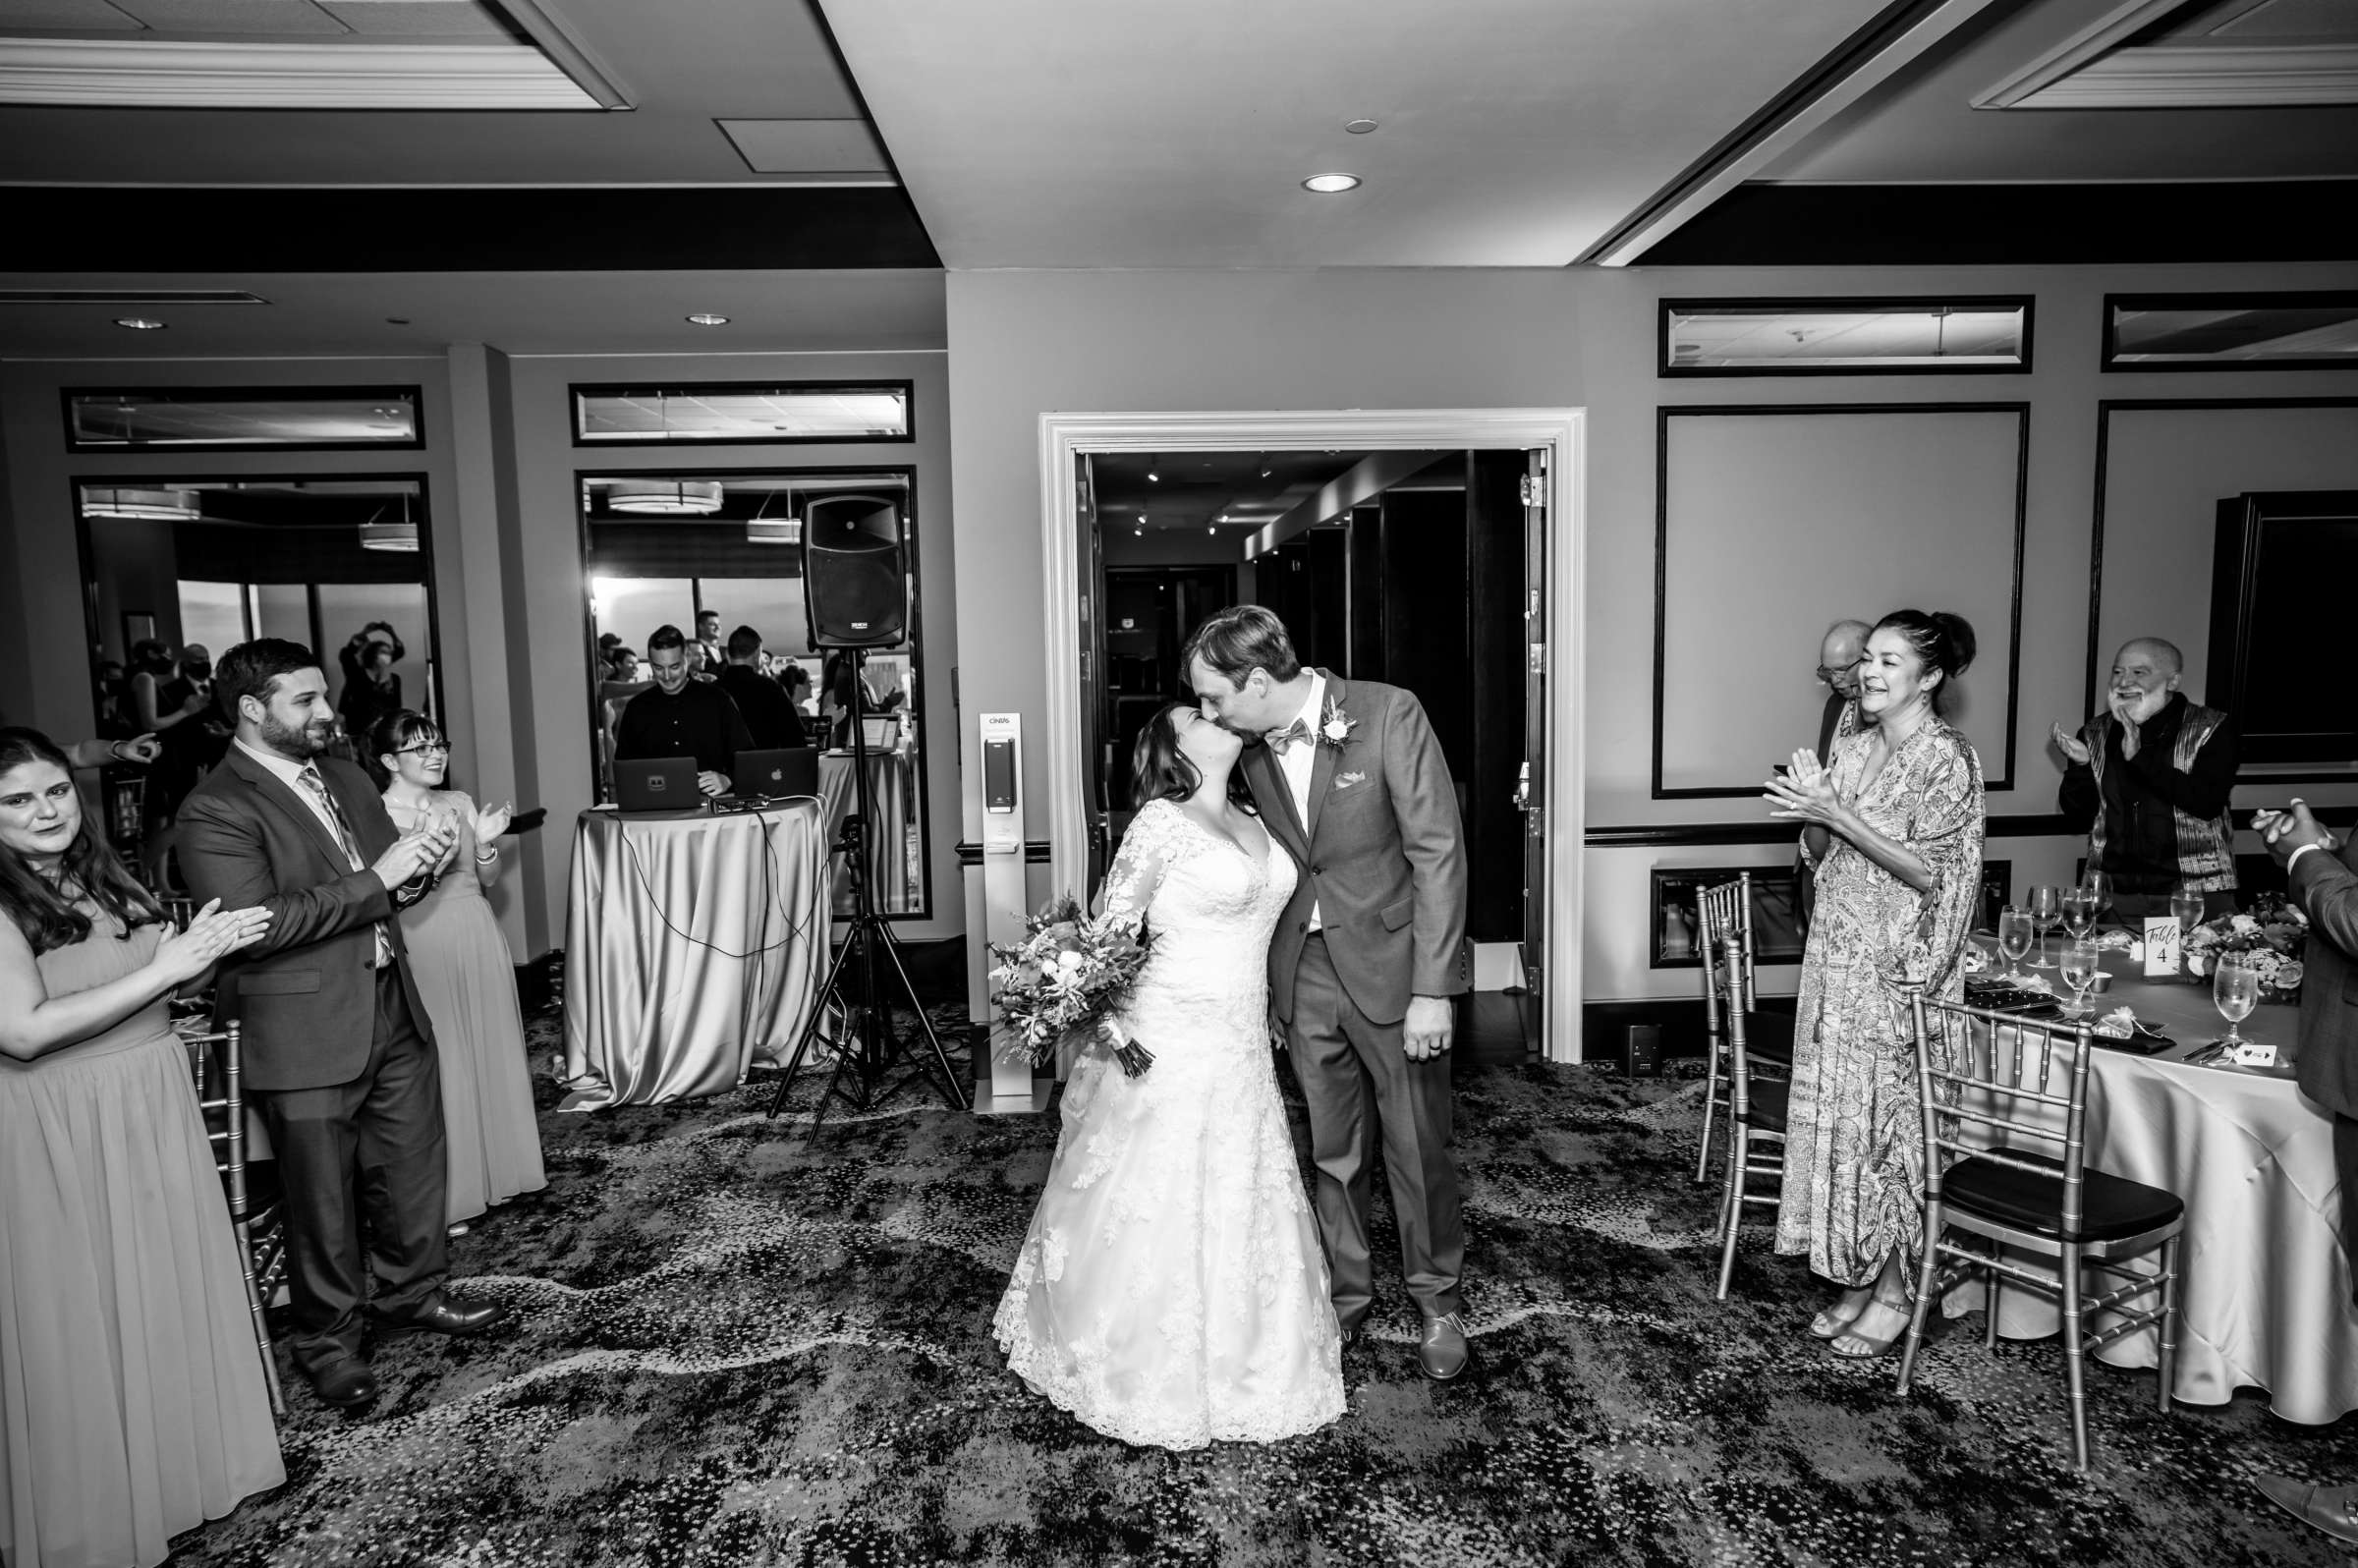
(1281, 741)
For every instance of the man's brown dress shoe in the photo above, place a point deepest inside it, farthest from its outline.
(345, 1384)
(447, 1315)
(2332, 1509)
(1443, 1353)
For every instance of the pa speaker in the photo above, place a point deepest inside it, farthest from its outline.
(855, 572)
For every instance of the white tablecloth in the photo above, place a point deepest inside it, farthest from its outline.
(2265, 1279)
(891, 795)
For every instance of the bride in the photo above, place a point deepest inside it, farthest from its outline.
(1171, 1290)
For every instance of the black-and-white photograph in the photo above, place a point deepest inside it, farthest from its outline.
(830, 782)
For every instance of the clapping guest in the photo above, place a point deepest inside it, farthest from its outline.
(2148, 782)
(2322, 879)
(339, 1048)
(464, 972)
(1893, 825)
(133, 1404)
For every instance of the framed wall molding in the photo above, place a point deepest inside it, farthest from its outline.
(2104, 410)
(1673, 925)
(1998, 778)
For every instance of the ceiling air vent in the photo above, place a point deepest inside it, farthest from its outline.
(122, 297)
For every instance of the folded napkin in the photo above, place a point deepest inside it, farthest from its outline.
(2122, 1029)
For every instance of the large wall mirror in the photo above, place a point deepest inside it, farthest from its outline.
(179, 571)
(713, 553)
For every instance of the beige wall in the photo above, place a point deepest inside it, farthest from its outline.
(1027, 343)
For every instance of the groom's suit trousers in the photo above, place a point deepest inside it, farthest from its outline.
(1358, 1081)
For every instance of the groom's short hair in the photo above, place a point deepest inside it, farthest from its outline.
(1240, 640)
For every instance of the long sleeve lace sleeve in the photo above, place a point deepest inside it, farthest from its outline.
(1137, 866)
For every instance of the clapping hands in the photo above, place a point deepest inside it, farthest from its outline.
(1804, 794)
(490, 821)
(2287, 832)
(2071, 746)
(182, 956)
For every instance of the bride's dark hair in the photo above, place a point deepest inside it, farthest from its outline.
(1160, 772)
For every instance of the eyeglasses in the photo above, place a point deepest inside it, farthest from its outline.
(1827, 672)
(424, 749)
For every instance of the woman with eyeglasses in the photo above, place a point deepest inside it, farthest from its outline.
(465, 975)
(133, 1404)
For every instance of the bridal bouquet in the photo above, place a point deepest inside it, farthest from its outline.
(2268, 937)
(1066, 980)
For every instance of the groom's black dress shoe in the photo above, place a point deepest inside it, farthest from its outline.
(2332, 1509)
(345, 1384)
(446, 1314)
(1444, 1353)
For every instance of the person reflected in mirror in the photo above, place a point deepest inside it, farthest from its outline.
(1839, 654)
(2320, 877)
(2149, 781)
(1892, 824)
(132, 1403)
(371, 686)
(769, 716)
(710, 655)
(682, 717)
(464, 972)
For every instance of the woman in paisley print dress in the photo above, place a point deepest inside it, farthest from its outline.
(1893, 828)
(1171, 1290)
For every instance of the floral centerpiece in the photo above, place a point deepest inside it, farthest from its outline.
(2267, 937)
(1065, 981)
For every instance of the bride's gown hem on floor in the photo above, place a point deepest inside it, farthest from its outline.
(1171, 1291)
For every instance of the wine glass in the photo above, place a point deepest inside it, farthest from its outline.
(2013, 940)
(2079, 913)
(2079, 972)
(2047, 906)
(2235, 991)
(2099, 888)
(2186, 907)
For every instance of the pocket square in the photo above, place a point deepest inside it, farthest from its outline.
(1346, 780)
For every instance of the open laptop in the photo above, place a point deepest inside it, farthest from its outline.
(657, 784)
(777, 774)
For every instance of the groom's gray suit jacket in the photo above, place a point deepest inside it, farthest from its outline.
(1382, 856)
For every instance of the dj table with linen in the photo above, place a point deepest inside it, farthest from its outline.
(2264, 1293)
(694, 942)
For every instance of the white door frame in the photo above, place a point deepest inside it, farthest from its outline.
(1561, 432)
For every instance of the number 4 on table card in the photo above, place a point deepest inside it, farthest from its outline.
(2162, 945)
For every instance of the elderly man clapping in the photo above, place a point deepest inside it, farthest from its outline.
(2149, 783)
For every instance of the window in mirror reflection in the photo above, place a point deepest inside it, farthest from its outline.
(222, 418)
(745, 411)
(2231, 331)
(1843, 337)
(182, 570)
(719, 557)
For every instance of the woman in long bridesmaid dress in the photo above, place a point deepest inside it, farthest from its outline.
(133, 1404)
(465, 975)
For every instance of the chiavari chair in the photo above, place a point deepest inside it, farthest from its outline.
(1756, 1120)
(1725, 911)
(1987, 1085)
(217, 1062)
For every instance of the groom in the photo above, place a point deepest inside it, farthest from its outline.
(1367, 956)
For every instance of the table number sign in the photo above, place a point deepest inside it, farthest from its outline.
(2162, 945)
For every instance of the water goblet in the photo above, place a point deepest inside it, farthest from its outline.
(2099, 888)
(2186, 908)
(2047, 906)
(2013, 940)
(2079, 961)
(2079, 913)
(2234, 991)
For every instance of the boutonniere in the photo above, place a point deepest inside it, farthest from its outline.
(1335, 725)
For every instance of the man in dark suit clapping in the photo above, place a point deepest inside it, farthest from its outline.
(2323, 877)
(339, 1051)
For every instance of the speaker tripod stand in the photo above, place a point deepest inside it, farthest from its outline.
(869, 1048)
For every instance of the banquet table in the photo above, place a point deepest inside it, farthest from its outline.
(891, 792)
(694, 942)
(2265, 1278)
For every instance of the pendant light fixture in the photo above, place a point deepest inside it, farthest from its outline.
(664, 497)
(140, 506)
(401, 536)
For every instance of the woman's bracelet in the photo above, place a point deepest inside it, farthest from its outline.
(486, 857)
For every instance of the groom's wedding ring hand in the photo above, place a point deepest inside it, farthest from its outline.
(1427, 1031)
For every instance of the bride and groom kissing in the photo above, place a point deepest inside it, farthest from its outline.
(1171, 1289)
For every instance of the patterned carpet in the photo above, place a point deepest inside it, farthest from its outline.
(734, 1348)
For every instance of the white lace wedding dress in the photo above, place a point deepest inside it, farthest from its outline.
(1171, 1290)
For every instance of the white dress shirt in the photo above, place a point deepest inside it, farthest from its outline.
(1297, 761)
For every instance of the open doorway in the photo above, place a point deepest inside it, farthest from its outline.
(1425, 566)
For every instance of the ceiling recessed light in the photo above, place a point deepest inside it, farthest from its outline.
(1141, 533)
(1142, 517)
(708, 318)
(1359, 128)
(1331, 184)
(1212, 530)
(139, 323)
